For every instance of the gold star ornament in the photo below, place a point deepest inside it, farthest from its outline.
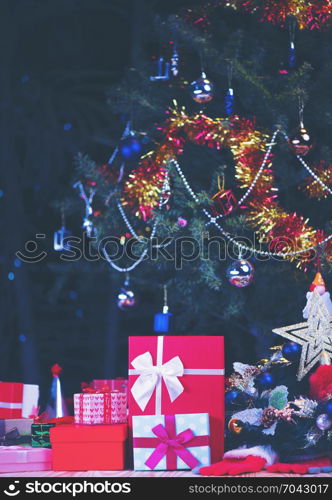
(314, 335)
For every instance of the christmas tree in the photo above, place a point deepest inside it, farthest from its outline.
(220, 157)
(251, 89)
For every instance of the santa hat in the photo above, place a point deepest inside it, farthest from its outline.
(318, 284)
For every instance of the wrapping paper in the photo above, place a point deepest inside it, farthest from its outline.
(24, 459)
(40, 435)
(179, 375)
(15, 431)
(88, 447)
(30, 400)
(11, 400)
(100, 408)
(167, 442)
(18, 400)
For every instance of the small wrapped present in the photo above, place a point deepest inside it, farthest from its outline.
(40, 435)
(15, 431)
(18, 400)
(88, 447)
(40, 429)
(170, 375)
(24, 459)
(171, 442)
(100, 407)
(117, 384)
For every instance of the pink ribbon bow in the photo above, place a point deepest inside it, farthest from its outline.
(169, 444)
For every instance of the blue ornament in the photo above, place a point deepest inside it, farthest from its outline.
(240, 273)
(202, 89)
(60, 239)
(229, 101)
(265, 381)
(292, 56)
(329, 408)
(161, 322)
(130, 147)
(162, 71)
(231, 397)
(291, 351)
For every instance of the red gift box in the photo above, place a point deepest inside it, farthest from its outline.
(11, 399)
(82, 447)
(179, 374)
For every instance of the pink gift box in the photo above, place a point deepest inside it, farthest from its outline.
(179, 375)
(100, 408)
(117, 384)
(24, 459)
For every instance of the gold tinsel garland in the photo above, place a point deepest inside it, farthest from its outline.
(282, 231)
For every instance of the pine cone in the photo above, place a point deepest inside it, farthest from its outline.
(268, 417)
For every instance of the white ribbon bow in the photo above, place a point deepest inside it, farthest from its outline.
(150, 378)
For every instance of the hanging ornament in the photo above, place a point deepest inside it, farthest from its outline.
(229, 98)
(265, 381)
(231, 397)
(240, 273)
(329, 408)
(300, 140)
(126, 298)
(61, 235)
(130, 148)
(182, 222)
(323, 422)
(111, 159)
(56, 407)
(162, 71)
(175, 61)
(235, 426)
(87, 222)
(291, 351)
(224, 199)
(202, 89)
(292, 24)
(162, 320)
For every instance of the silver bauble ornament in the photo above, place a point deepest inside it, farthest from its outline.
(240, 273)
(201, 89)
(126, 297)
(323, 422)
(300, 141)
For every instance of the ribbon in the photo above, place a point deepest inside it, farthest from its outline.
(11, 406)
(103, 390)
(171, 445)
(151, 377)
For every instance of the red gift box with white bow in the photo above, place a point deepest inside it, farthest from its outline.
(177, 375)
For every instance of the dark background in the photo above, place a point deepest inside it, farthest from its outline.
(57, 60)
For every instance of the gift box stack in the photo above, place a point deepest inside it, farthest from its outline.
(174, 398)
(176, 401)
(18, 407)
(96, 439)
